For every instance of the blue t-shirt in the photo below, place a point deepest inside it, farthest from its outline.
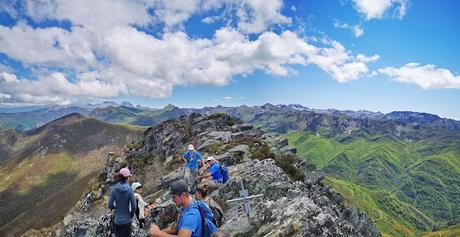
(190, 219)
(215, 172)
(192, 159)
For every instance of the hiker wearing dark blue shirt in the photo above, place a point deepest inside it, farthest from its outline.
(191, 158)
(123, 201)
(190, 222)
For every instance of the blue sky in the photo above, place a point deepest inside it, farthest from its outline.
(378, 55)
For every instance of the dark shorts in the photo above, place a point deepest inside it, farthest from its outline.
(123, 230)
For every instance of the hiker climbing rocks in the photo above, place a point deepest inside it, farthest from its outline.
(142, 206)
(213, 176)
(191, 159)
(123, 201)
(190, 221)
(202, 194)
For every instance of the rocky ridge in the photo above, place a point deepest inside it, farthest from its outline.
(295, 201)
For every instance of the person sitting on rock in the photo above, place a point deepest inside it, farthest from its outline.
(123, 201)
(202, 194)
(213, 177)
(189, 223)
(142, 206)
(191, 159)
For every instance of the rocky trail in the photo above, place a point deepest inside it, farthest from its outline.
(295, 202)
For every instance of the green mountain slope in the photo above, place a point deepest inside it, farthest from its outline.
(413, 185)
(49, 166)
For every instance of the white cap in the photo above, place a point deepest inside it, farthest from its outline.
(136, 185)
(190, 147)
(210, 158)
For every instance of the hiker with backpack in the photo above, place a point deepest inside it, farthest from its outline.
(142, 206)
(216, 174)
(123, 201)
(191, 159)
(194, 218)
(202, 194)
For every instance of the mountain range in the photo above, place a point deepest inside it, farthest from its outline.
(402, 168)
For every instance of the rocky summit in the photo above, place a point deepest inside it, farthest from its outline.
(295, 202)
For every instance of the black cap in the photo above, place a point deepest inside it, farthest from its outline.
(178, 187)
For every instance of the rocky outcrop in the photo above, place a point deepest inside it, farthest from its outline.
(295, 202)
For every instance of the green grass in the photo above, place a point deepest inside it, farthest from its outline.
(367, 200)
(452, 231)
(413, 185)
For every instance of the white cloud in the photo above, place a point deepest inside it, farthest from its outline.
(210, 19)
(375, 9)
(54, 89)
(97, 15)
(256, 15)
(51, 46)
(103, 55)
(4, 96)
(425, 76)
(228, 98)
(339, 62)
(357, 30)
(253, 16)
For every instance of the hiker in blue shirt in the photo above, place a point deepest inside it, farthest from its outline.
(214, 176)
(191, 159)
(190, 223)
(123, 201)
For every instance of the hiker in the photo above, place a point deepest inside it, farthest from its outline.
(142, 206)
(190, 222)
(213, 176)
(202, 194)
(191, 159)
(123, 201)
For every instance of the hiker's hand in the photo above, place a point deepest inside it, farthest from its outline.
(154, 230)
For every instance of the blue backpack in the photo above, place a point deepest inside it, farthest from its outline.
(224, 172)
(207, 219)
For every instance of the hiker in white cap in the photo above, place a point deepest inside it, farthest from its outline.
(142, 206)
(213, 176)
(191, 159)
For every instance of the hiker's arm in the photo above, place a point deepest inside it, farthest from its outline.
(133, 203)
(206, 175)
(111, 199)
(168, 232)
(141, 200)
(200, 158)
(183, 158)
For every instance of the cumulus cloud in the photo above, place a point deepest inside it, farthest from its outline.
(425, 76)
(105, 53)
(357, 30)
(97, 15)
(51, 46)
(375, 9)
(340, 63)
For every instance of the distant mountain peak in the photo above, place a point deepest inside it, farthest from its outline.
(170, 107)
(127, 104)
